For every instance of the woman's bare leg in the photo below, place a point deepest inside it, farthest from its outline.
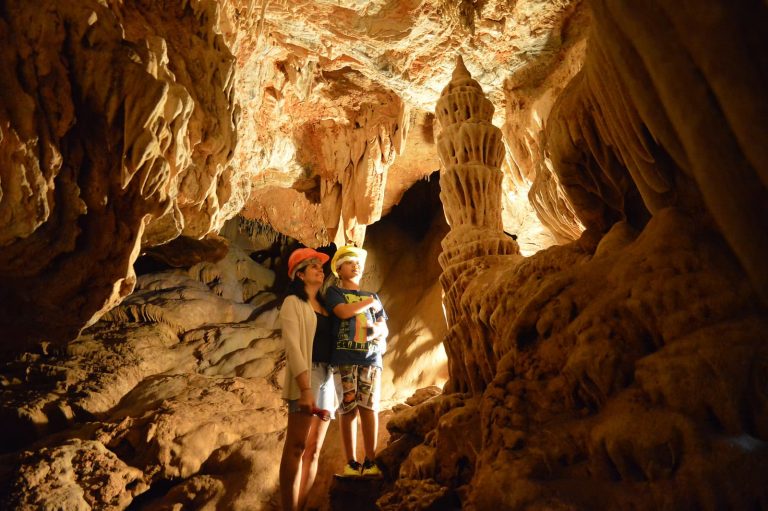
(317, 430)
(290, 462)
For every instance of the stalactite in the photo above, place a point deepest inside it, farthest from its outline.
(254, 229)
(142, 313)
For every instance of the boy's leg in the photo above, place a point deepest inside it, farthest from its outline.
(369, 396)
(348, 427)
(346, 387)
(370, 422)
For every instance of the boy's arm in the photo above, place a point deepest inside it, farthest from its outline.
(380, 328)
(343, 310)
(347, 310)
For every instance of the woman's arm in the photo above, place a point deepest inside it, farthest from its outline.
(289, 319)
(307, 398)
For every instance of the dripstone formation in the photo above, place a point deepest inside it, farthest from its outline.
(159, 159)
(471, 151)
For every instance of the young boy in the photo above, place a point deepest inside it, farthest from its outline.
(360, 329)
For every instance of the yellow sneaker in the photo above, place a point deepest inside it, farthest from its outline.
(370, 469)
(352, 468)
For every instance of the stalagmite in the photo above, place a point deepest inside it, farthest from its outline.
(471, 152)
(621, 364)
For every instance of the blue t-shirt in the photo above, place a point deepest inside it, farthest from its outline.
(353, 345)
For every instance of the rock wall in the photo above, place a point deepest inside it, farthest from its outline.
(623, 368)
(529, 183)
(339, 156)
(328, 88)
(172, 397)
(117, 128)
(629, 367)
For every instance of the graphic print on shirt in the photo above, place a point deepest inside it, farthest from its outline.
(358, 340)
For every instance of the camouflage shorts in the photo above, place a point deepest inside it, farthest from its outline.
(358, 386)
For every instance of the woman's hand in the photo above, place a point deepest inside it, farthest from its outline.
(306, 401)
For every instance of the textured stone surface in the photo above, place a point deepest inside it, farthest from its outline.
(77, 475)
(623, 368)
(328, 89)
(471, 151)
(596, 345)
(165, 119)
(113, 130)
(176, 384)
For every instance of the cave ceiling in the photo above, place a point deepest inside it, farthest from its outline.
(127, 124)
(591, 300)
(337, 97)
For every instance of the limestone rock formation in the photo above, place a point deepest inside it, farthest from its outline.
(617, 362)
(350, 75)
(596, 344)
(114, 130)
(177, 383)
(471, 151)
(76, 475)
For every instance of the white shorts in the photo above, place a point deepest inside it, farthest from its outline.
(323, 388)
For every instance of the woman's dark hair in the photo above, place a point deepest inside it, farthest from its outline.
(296, 288)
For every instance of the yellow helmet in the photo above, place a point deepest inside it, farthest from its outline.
(346, 253)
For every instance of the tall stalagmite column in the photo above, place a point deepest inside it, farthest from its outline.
(471, 151)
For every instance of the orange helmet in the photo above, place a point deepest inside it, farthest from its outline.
(301, 257)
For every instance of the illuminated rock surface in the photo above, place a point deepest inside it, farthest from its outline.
(612, 356)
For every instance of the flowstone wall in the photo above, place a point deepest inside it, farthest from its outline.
(114, 135)
(626, 369)
(619, 364)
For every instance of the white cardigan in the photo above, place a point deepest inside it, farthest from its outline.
(298, 323)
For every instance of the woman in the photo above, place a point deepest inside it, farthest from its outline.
(308, 386)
